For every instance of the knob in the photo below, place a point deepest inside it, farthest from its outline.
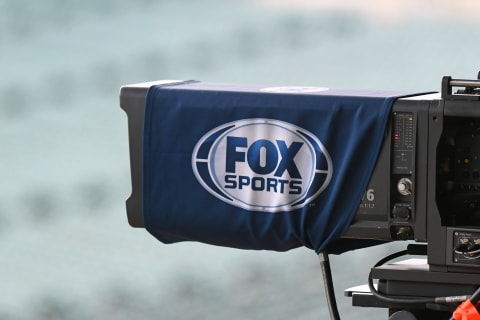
(404, 186)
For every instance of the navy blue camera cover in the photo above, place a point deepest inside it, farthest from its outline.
(251, 167)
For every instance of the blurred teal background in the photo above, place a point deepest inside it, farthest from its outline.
(67, 251)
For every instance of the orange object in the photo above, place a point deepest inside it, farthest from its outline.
(466, 311)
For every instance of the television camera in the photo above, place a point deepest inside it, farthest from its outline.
(425, 187)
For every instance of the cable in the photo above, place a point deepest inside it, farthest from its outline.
(408, 301)
(329, 290)
(390, 300)
(475, 296)
(468, 309)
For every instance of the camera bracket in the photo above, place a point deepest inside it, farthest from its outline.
(470, 89)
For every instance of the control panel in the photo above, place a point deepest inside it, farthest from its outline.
(403, 142)
(403, 170)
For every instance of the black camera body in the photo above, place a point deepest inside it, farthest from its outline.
(426, 183)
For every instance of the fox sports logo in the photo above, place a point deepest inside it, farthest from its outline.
(262, 165)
